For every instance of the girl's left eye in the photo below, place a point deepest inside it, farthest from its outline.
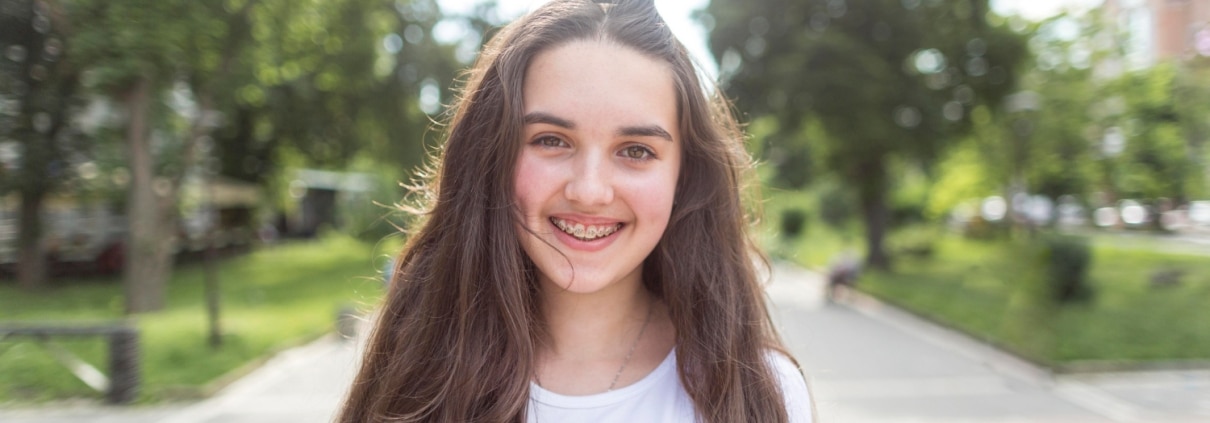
(637, 152)
(549, 142)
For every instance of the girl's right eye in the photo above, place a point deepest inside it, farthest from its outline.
(549, 142)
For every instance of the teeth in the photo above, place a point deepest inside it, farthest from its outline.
(585, 233)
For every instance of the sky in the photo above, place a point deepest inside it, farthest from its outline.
(675, 12)
(1040, 9)
(678, 15)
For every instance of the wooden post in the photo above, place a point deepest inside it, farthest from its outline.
(211, 277)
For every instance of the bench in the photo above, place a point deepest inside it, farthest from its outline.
(121, 386)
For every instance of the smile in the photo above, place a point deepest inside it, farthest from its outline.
(583, 232)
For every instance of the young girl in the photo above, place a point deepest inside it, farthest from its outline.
(583, 255)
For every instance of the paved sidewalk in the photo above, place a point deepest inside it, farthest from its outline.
(301, 385)
(304, 385)
(867, 363)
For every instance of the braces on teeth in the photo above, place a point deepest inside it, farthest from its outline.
(583, 233)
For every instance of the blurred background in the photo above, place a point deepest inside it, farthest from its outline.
(223, 174)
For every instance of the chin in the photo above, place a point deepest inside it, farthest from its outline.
(585, 280)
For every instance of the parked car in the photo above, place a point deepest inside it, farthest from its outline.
(78, 237)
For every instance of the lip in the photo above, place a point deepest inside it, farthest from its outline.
(587, 220)
(581, 245)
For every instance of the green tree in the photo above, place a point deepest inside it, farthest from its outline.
(223, 85)
(887, 80)
(134, 51)
(226, 85)
(38, 88)
(1043, 144)
(328, 81)
(1192, 99)
(1158, 160)
(1104, 126)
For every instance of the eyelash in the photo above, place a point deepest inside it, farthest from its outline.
(543, 142)
(556, 142)
(647, 154)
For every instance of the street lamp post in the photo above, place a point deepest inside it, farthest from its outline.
(211, 284)
(211, 276)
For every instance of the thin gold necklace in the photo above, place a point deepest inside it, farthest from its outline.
(650, 308)
(625, 361)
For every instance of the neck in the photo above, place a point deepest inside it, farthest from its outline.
(598, 325)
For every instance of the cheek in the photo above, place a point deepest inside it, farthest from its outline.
(652, 198)
(528, 185)
(654, 202)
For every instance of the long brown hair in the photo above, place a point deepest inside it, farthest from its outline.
(457, 337)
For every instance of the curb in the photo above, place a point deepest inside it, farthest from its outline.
(986, 353)
(1075, 388)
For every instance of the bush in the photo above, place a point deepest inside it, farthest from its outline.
(980, 229)
(793, 222)
(906, 211)
(913, 241)
(1067, 260)
(836, 206)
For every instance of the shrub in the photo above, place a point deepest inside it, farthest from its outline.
(905, 211)
(836, 206)
(1067, 260)
(793, 223)
(913, 241)
(981, 229)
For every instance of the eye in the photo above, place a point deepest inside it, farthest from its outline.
(548, 141)
(637, 153)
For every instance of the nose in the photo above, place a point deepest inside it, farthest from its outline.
(591, 181)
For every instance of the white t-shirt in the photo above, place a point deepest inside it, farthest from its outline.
(658, 397)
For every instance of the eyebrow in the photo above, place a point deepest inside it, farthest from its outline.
(625, 131)
(547, 118)
(644, 131)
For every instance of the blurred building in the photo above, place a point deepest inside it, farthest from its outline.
(84, 235)
(320, 195)
(1159, 30)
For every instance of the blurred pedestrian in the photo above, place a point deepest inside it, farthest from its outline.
(584, 255)
(842, 274)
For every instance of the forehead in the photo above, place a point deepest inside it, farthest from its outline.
(590, 81)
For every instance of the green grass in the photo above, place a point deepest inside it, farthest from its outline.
(972, 286)
(273, 298)
(983, 288)
(980, 288)
(1135, 321)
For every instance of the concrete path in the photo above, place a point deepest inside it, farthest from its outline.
(871, 363)
(866, 363)
(304, 385)
(301, 385)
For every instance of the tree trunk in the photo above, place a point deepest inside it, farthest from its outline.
(31, 259)
(875, 214)
(144, 281)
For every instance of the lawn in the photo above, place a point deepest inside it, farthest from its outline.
(272, 299)
(979, 288)
(983, 289)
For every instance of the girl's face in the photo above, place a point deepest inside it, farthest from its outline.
(599, 163)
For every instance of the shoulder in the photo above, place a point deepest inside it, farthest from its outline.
(799, 404)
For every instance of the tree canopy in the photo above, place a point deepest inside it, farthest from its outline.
(887, 81)
(229, 87)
